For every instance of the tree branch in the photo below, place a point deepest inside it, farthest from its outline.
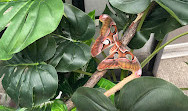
(130, 32)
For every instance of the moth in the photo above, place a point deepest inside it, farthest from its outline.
(119, 56)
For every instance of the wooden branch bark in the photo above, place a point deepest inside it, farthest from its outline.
(130, 32)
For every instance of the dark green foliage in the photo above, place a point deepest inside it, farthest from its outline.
(142, 94)
(158, 22)
(87, 99)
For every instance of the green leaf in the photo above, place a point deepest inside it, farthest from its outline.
(130, 6)
(92, 15)
(68, 84)
(25, 77)
(158, 22)
(88, 99)
(186, 63)
(70, 56)
(71, 53)
(77, 24)
(42, 107)
(91, 66)
(120, 18)
(106, 84)
(27, 21)
(22, 109)
(37, 83)
(58, 106)
(39, 51)
(151, 94)
(3, 108)
(177, 8)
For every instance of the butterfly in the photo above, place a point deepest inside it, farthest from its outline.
(119, 56)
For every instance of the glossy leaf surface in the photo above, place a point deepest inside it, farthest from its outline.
(72, 53)
(58, 105)
(151, 94)
(37, 83)
(177, 8)
(88, 99)
(70, 56)
(27, 76)
(158, 22)
(77, 24)
(106, 84)
(26, 22)
(130, 6)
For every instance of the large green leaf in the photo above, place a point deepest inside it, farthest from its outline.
(78, 24)
(70, 56)
(177, 8)
(152, 94)
(26, 76)
(71, 53)
(30, 85)
(26, 22)
(158, 22)
(130, 6)
(88, 99)
(40, 51)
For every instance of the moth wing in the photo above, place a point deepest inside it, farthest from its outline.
(101, 43)
(108, 63)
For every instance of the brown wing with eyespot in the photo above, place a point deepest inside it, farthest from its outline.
(105, 39)
(122, 61)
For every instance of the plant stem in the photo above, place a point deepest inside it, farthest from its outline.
(158, 49)
(108, 76)
(83, 72)
(29, 64)
(131, 50)
(124, 73)
(96, 60)
(143, 17)
(184, 88)
(104, 55)
(114, 76)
